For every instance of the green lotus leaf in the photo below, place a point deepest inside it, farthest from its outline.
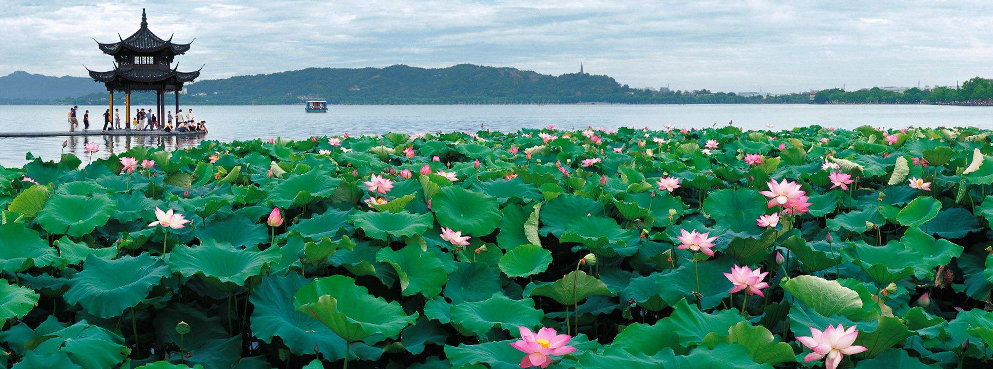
(738, 209)
(75, 215)
(504, 189)
(759, 342)
(75, 253)
(418, 271)
(512, 232)
(236, 230)
(133, 206)
(632, 338)
(30, 201)
(953, 223)
(572, 288)
(83, 345)
(675, 285)
(561, 211)
(496, 354)
(15, 301)
(105, 288)
(22, 247)
(207, 343)
(472, 213)
(895, 358)
(320, 251)
(722, 356)
(300, 189)
(383, 225)
(692, 325)
(168, 365)
(274, 316)
(811, 259)
(472, 282)
(332, 223)
(918, 212)
(614, 357)
(221, 262)
(525, 260)
(395, 205)
(349, 310)
(595, 233)
(855, 221)
(825, 297)
(888, 333)
(498, 311)
(415, 337)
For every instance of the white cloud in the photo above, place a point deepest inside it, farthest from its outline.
(736, 45)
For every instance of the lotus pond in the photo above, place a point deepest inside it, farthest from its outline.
(711, 248)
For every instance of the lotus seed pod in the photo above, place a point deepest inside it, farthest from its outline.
(590, 259)
(182, 328)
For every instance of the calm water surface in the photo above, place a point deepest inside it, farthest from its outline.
(227, 123)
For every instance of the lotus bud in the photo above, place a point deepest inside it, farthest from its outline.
(436, 158)
(924, 300)
(590, 259)
(830, 238)
(272, 141)
(275, 218)
(476, 164)
(346, 135)
(481, 249)
(426, 169)
(513, 150)
(779, 258)
(186, 193)
(313, 138)
(406, 174)
(890, 288)
(269, 173)
(965, 345)
(528, 154)
(652, 194)
(869, 225)
(183, 328)
(65, 143)
(355, 172)
(603, 180)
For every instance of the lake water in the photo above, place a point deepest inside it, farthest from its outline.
(227, 123)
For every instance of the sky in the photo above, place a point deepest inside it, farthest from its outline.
(737, 46)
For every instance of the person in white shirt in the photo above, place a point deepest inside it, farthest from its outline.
(189, 117)
(179, 118)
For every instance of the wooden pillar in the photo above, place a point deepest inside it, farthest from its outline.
(158, 102)
(177, 106)
(127, 106)
(112, 108)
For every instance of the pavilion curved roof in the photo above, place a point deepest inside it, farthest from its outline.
(144, 40)
(146, 75)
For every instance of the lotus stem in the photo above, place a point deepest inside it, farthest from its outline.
(744, 301)
(165, 241)
(575, 281)
(134, 328)
(347, 352)
(696, 270)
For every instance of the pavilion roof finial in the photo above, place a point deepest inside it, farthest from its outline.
(144, 19)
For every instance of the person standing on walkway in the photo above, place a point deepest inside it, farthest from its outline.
(190, 118)
(106, 119)
(168, 118)
(72, 119)
(86, 121)
(179, 117)
(117, 119)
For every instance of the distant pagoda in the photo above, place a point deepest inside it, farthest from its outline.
(143, 63)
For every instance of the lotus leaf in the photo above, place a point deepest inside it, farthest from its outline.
(105, 288)
(349, 310)
(75, 215)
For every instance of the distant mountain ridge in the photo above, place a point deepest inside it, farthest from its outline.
(27, 88)
(401, 84)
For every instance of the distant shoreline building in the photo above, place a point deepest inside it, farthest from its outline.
(143, 62)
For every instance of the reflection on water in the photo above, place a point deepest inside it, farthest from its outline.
(14, 149)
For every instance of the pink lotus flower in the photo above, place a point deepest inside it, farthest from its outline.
(168, 219)
(436, 158)
(275, 218)
(377, 201)
(564, 171)
(513, 150)
(28, 179)
(782, 193)
(596, 140)
(408, 152)
(130, 164)
(825, 140)
(476, 164)
(834, 343)
(920, 161)
(379, 184)
(696, 242)
(768, 221)
(91, 147)
(829, 165)
(839, 179)
(744, 278)
(272, 141)
(603, 180)
(891, 139)
(711, 144)
(334, 141)
(546, 137)
(782, 146)
(753, 159)
(618, 150)
(406, 174)
(668, 183)
(426, 169)
(455, 238)
(147, 164)
(919, 184)
(213, 158)
(449, 175)
(540, 347)
(590, 162)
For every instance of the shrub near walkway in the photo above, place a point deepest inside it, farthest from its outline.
(710, 248)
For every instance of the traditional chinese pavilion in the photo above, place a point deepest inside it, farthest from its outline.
(143, 63)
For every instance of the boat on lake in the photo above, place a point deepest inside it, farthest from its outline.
(317, 106)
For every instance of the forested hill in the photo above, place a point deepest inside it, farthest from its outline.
(27, 88)
(459, 84)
